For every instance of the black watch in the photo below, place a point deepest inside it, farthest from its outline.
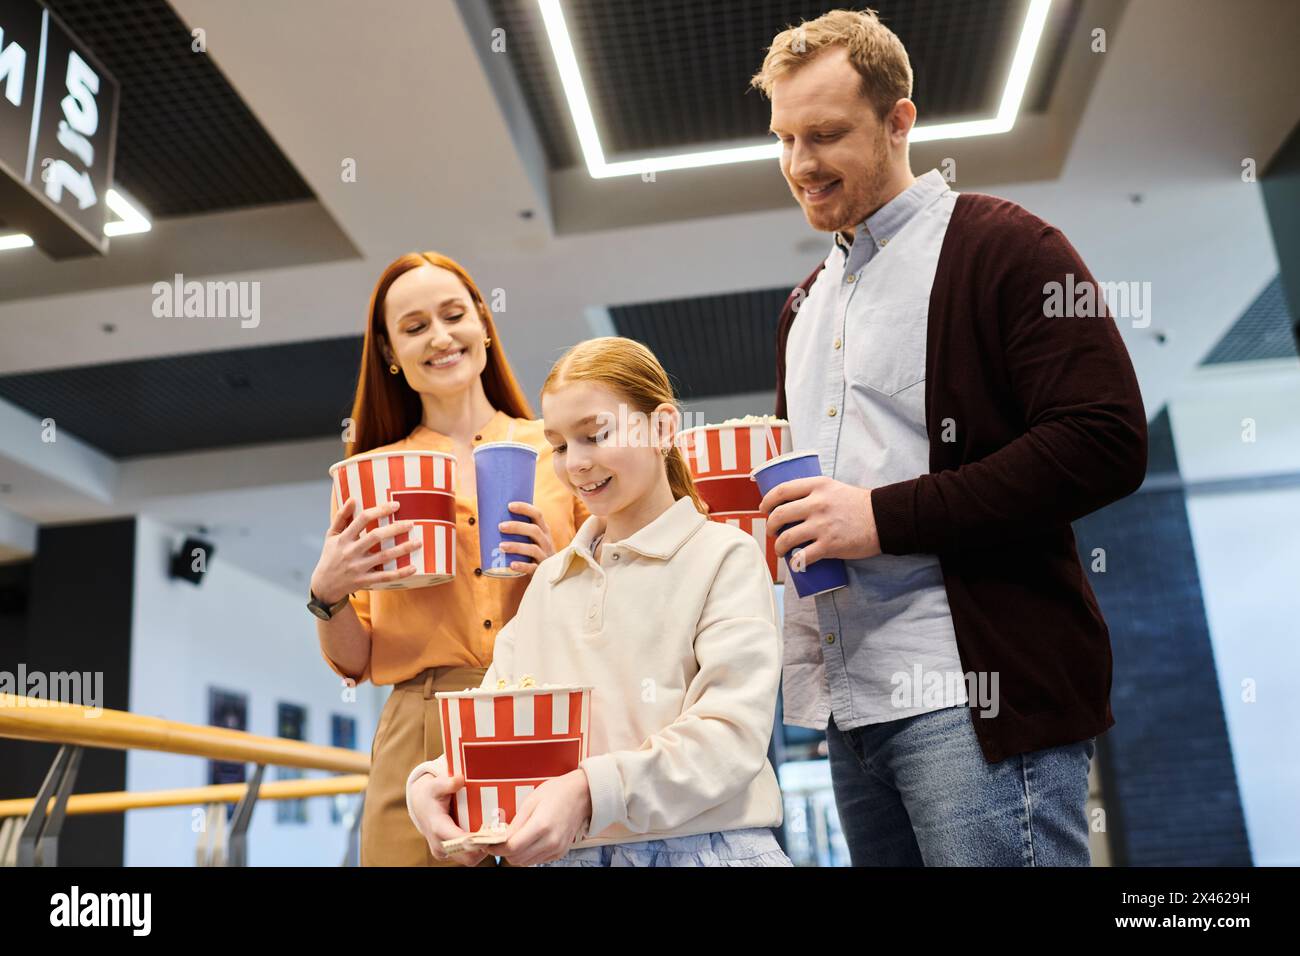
(321, 609)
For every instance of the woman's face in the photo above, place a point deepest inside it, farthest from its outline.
(435, 333)
(604, 449)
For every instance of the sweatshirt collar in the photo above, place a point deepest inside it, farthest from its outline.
(659, 539)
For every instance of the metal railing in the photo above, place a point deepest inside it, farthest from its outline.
(35, 841)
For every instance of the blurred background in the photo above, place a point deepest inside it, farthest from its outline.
(297, 147)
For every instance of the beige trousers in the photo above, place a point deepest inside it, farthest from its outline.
(409, 732)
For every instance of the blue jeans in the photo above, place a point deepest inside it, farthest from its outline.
(754, 846)
(918, 792)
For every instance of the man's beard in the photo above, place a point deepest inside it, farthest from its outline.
(852, 207)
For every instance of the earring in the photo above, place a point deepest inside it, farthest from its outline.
(668, 449)
(394, 369)
(487, 343)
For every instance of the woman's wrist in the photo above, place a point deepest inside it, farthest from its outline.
(325, 594)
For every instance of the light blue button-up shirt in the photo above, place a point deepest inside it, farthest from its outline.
(884, 647)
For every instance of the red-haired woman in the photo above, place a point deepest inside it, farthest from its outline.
(433, 377)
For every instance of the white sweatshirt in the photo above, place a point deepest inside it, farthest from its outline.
(676, 629)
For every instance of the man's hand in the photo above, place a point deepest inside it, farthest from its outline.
(546, 824)
(835, 520)
(429, 801)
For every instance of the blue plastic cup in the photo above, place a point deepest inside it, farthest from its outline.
(503, 472)
(828, 574)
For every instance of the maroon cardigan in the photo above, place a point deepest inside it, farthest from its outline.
(1049, 426)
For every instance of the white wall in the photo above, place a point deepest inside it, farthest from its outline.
(237, 632)
(1248, 556)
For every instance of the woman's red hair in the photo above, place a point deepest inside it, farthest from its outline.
(386, 409)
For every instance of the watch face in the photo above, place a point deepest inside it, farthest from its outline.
(319, 611)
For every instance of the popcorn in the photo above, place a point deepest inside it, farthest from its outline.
(721, 459)
(755, 420)
(506, 739)
(525, 682)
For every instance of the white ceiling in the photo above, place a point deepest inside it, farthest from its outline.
(1186, 90)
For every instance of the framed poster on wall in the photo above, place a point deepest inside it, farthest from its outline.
(228, 709)
(291, 723)
(343, 733)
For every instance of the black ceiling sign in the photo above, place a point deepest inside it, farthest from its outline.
(58, 131)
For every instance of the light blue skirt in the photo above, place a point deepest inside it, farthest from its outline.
(752, 847)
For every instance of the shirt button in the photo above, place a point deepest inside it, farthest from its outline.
(600, 584)
(837, 343)
(487, 623)
(591, 612)
(478, 437)
(831, 411)
(883, 243)
(830, 638)
(851, 277)
(471, 519)
(615, 555)
(478, 572)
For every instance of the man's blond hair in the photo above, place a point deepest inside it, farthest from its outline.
(874, 50)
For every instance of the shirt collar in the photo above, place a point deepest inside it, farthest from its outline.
(659, 539)
(496, 429)
(887, 221)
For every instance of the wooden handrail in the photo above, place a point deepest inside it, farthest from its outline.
(27, 718)
(119, 801)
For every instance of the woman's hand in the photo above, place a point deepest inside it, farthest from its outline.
(346, 566)
(547, 823)
(541, 548)
(428, 799)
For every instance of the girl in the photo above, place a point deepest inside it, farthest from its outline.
(669, 616)
(434, 377)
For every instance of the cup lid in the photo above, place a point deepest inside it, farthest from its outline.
(505, 444)
(788, 456)
(482, 692)
(389, 454)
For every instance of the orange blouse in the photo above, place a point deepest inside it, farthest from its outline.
(456, 624)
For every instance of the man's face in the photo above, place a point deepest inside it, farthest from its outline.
(835, 153)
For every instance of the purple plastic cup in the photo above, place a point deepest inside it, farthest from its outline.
(503, 472)
(828, 574)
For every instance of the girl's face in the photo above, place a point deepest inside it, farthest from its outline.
(435, 333)
(605, 450)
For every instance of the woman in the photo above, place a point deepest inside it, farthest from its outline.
(433, 377)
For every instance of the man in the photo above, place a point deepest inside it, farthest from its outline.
(964, 673)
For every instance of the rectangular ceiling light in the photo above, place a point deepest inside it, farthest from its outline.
(131, 220)
(580, 107)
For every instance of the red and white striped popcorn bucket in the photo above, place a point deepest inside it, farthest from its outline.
(506, 743)
(425, 483)
(720, 458)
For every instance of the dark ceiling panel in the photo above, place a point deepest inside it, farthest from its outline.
(1264, 331)
(675, 73)
(710, 345)
(198, 401)
(1162, 456)
(186, 143)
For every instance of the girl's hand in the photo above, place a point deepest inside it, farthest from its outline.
(429, 800)
(541, 547)
(547, 822)
(345, 563)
